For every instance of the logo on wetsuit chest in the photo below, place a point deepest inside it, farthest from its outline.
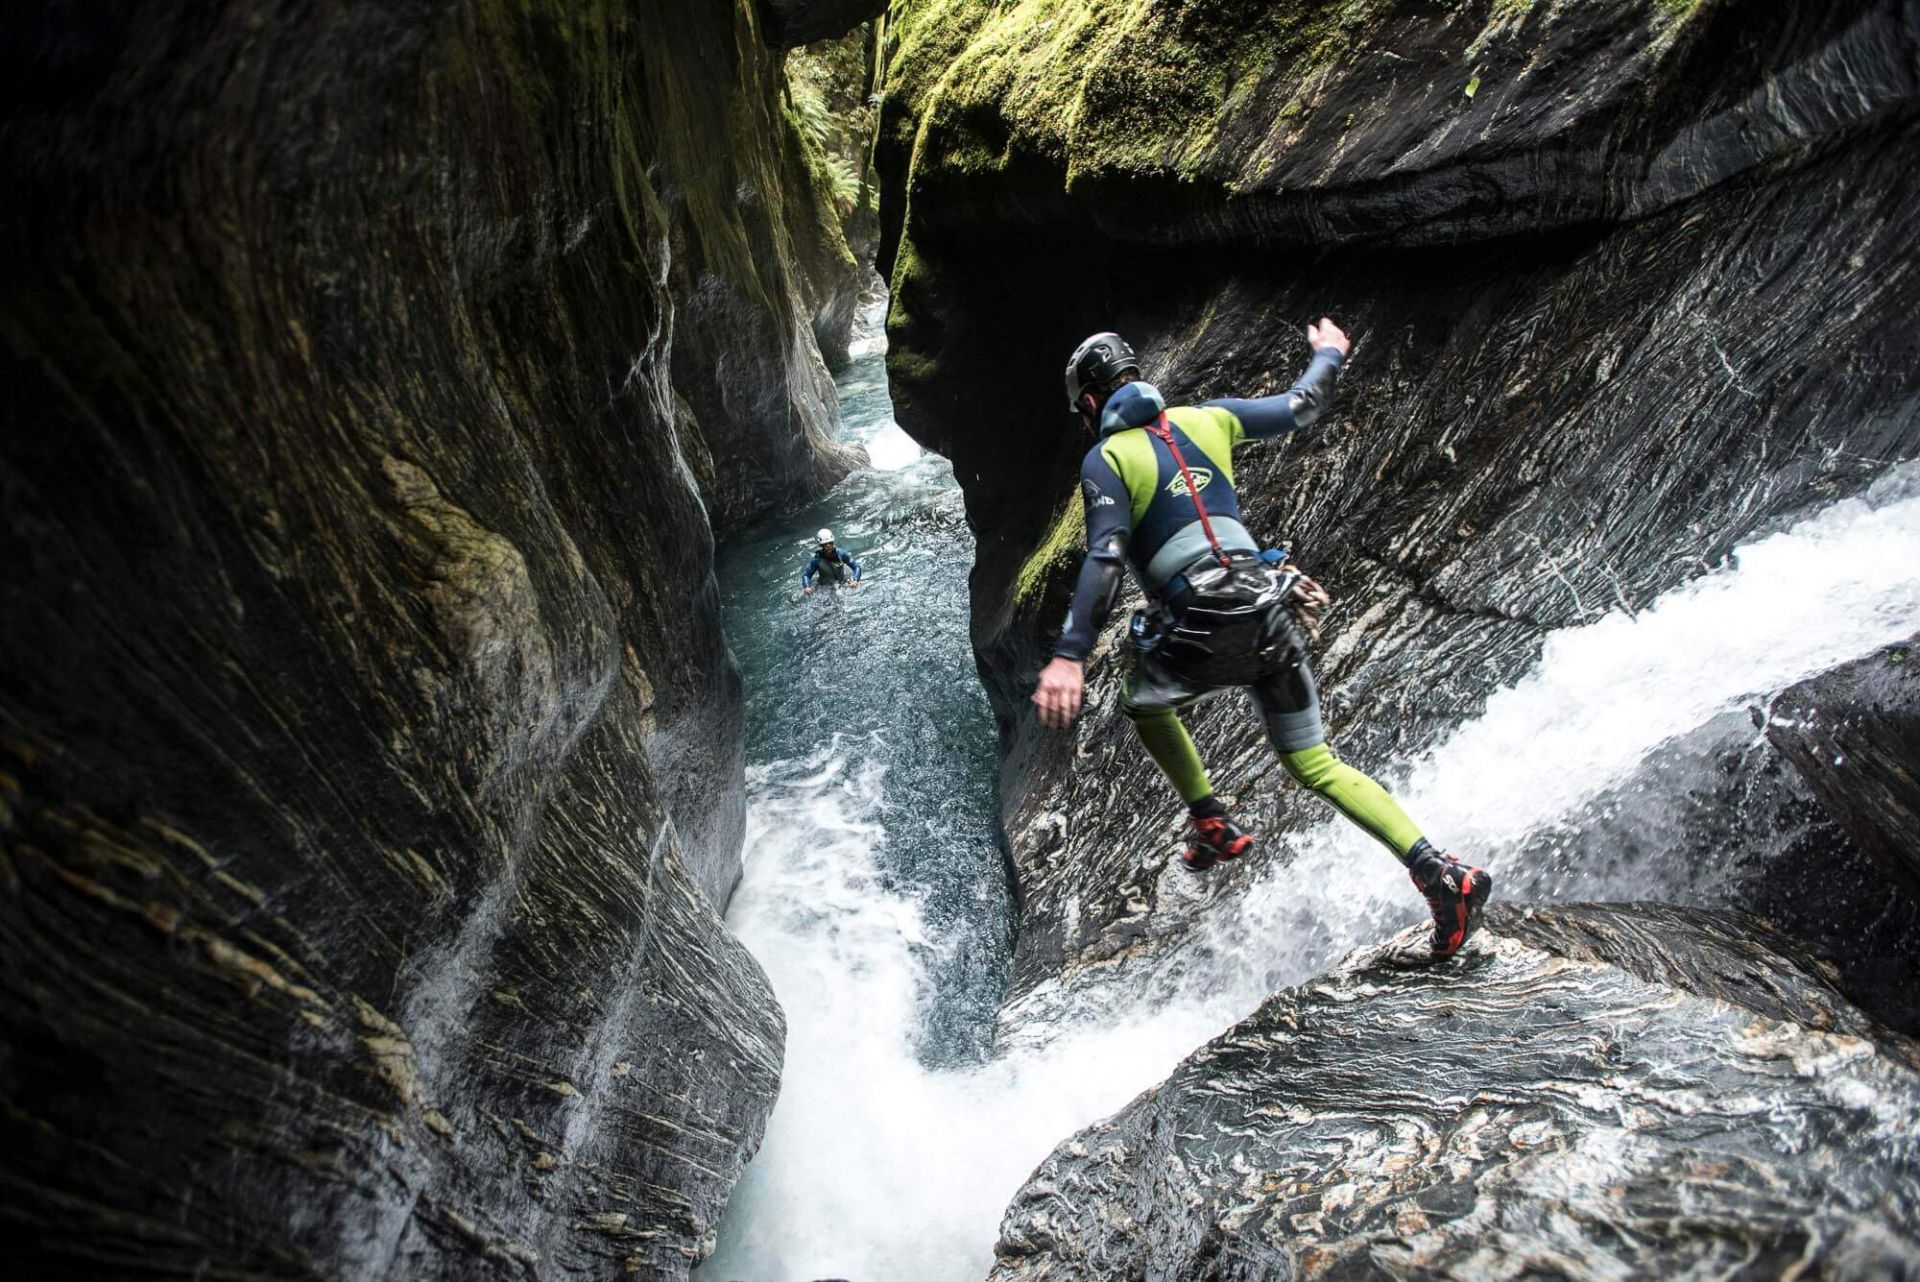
(1202, 478)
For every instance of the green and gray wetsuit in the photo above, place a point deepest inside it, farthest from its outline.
(1140, 513)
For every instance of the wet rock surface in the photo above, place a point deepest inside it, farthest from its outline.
(1854, 734)
(1590, 1091)
(1734, 817)
(1629, 283)
(370, 757)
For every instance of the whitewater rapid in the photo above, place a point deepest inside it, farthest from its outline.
(882, 1162)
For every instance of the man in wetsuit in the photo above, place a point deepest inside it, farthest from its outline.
(829, 565)
(1158, 488)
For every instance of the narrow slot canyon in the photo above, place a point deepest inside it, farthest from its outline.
(460, 817)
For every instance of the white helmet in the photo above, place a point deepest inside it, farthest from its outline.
(825, 536)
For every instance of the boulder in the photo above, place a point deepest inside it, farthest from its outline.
(1854, 735)
(1617, 1090)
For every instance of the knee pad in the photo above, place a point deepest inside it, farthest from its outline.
(1138, 712)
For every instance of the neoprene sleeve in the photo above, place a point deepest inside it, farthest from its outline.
(1264, 417)
(1109, 523)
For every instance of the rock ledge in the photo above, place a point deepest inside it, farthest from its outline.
(1598, 1090)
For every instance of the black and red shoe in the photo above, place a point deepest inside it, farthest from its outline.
(1455, 893)
(1215, 840)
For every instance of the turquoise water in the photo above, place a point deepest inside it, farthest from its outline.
(874, 889)
(880, 679)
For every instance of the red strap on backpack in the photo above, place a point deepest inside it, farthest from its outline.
(1165, 433)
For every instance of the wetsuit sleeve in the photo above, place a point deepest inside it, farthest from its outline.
(851, 564)
(813, 568)
(1298, 406)
(1109, 523)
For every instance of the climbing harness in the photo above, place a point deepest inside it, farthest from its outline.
(1302, 597)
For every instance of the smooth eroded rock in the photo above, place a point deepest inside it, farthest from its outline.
(370, 756)
(1590, 1091)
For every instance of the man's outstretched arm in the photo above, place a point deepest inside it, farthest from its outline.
(1303, 403)
(1109, 524)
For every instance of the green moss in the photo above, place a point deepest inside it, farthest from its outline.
(907, 275)
(1098, 87)
(1146, 86)
(1111, 85)
(908, 367)
(908, 363)
(1064, 537)
(1670, 19)
(826, 105)
(812, 172)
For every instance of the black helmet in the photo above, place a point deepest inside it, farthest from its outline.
(1097, 365)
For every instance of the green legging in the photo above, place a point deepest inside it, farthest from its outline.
(1352, 793)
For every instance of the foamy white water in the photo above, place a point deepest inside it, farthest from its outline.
(891, 449)
(1602, 698)
(877, 1168)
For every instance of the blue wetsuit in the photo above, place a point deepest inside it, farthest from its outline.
(829, 571)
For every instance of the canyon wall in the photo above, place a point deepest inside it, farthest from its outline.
(377, 377)
(1630, 283)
